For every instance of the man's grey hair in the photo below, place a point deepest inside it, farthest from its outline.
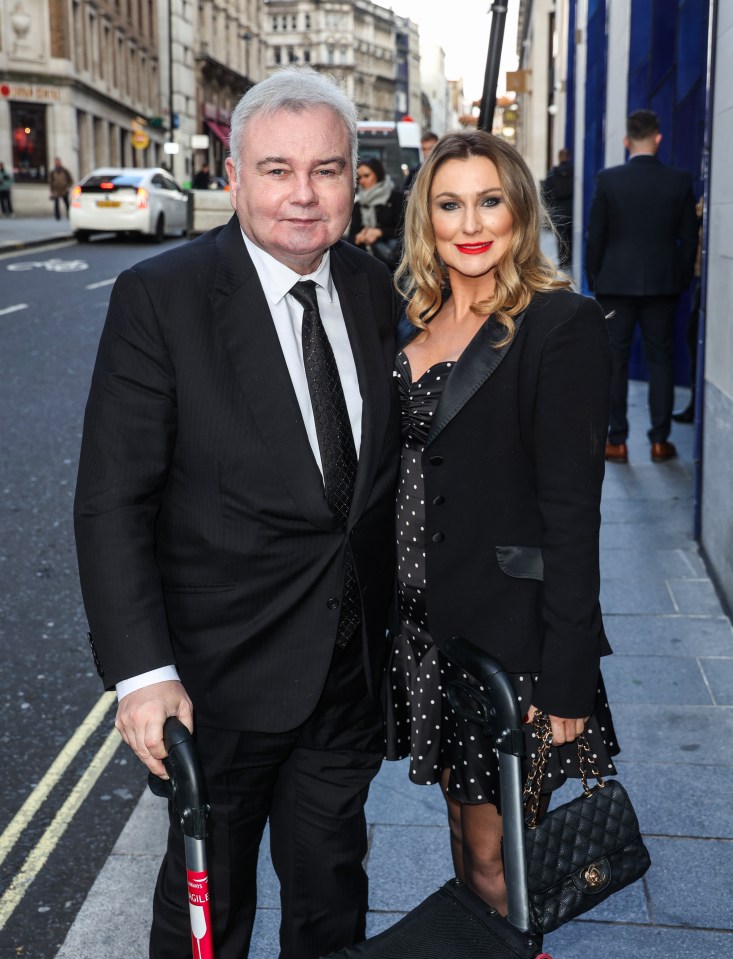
(294, 89)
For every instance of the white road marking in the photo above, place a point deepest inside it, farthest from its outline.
(96, 286)
(14, 309)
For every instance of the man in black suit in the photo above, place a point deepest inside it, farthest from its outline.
(235, 521)
(557, 192)
(640, 251)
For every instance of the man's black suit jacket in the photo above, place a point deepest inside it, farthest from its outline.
(642, 230)
(203, 533)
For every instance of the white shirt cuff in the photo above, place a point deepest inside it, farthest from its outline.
(160, 675)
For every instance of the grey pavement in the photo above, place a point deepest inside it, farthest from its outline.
(670, 685)
(24, 232)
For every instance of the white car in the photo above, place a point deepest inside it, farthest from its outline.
(128, 200)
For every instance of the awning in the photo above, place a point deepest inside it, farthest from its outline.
(220, 131)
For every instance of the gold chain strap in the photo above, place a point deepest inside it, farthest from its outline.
(533, 785)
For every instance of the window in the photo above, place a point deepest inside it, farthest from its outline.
(307, 21)
(284, 21)
(306, 56)
(294, 21)
(292, 55)
(275, 22)
(330, 53)
(277, 54)
(28, 125)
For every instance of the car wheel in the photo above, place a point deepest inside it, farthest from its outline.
(159, 234)
(82, 236)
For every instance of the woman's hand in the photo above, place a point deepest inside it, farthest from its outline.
(563, 730)
(367, 236)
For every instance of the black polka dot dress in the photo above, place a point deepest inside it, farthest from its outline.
(420, 722)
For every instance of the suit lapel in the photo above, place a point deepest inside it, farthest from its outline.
(356, 305)
(242, 318)
(476, 364)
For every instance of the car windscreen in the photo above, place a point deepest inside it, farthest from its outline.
(111, 182)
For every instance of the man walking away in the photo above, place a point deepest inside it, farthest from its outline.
(640, 251)
(558, 197)
(60, 181)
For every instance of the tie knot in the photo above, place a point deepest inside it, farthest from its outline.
(304, 292)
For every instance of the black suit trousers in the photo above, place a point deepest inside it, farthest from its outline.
(311, 783)
(655, 316)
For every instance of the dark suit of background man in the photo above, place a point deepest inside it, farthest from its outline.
(640, 250)
(213, 567)
(558, 196)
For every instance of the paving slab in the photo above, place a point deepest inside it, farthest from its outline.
(672, 800)
(690, 882)
(718, 673)
(643, 596)
(583, 939)
(672, 636)
(655, 679)
(695, 596)
(657, 564)
(692, 735)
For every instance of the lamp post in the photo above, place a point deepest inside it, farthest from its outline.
(493, 59)
(170, 83)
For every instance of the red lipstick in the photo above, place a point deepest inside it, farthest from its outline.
(473, 248)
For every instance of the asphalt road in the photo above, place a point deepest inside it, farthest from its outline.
(66, 788)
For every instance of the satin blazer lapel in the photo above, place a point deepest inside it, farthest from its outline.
(476, 364)
(356, 305)
(242, 318)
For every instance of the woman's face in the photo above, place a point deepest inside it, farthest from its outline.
(366, 176)
(471, 221)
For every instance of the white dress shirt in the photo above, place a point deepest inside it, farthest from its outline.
(287, 314)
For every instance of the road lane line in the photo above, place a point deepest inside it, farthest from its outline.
(14, 309)
(55, 771)
(38, 856)
(96, 286)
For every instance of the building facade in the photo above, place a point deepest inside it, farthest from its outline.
(354, 40)
(80, 80)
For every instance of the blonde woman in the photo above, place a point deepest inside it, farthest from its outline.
(504, 390)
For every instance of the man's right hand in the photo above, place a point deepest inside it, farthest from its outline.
(140, 718)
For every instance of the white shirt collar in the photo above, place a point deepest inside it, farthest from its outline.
(278, 279)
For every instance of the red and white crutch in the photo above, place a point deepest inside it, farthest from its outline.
(185, 789)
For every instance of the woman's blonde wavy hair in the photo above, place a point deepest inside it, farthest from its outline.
(524, 270)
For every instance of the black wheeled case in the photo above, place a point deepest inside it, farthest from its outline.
(453, 923)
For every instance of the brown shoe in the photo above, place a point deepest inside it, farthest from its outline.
(663, 451)
(617, 453)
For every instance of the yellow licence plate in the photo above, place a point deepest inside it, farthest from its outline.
(108, 203)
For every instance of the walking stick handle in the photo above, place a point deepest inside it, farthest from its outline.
(185, 786)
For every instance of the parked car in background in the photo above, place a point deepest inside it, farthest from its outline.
(128, 200)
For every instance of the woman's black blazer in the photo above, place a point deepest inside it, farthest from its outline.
(513, 469)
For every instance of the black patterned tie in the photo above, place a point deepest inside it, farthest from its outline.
(335, 439)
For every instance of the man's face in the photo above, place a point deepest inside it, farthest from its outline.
(295, 192)
(427, 146)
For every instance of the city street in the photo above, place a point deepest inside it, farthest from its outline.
(53, 302)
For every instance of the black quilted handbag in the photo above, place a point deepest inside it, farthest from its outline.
(580, 853)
